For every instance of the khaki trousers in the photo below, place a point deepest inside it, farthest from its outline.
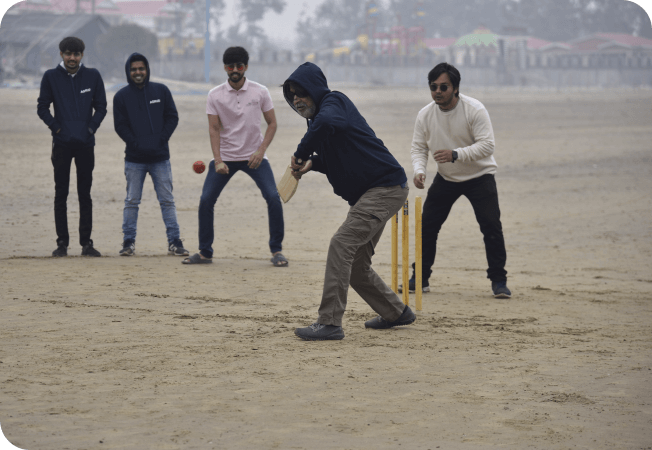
(349, 257)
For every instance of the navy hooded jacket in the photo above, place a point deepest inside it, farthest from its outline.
(339, 141)
(144, 118)
(74, 98)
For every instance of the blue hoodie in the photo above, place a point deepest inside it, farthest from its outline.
(339, 141)
(144, 118)
(74, 98)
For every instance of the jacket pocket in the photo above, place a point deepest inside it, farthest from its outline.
(74, 133)
(150, 145)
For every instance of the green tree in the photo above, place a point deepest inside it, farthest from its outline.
(197, 14)
(335, 20)
(450, 18)
(247, 31)
(563, 20)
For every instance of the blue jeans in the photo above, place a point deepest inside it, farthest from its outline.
(213, 186)
(161, 173)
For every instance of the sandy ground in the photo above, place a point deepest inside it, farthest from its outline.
(145, 353)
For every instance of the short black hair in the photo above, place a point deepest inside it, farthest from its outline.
(72, 44)
(452, 72)
(234, 55)
(138, 58)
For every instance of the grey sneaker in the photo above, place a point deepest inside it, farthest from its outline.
(128, 248)
(379, 323)
(62, 250)
(89, 250)
(176, 248)
(500, 289)
(320, 332)
(425, 286)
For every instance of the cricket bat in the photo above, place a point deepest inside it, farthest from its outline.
(287, 186)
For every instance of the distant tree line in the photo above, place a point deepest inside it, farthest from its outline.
(553, 20)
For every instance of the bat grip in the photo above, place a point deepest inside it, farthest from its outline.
(299, 162)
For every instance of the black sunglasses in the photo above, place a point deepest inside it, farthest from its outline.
(442, 87)
(299, 92)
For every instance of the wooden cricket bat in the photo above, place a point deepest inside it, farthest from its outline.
(287, 186)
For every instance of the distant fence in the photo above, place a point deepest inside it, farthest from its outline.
(271, 74)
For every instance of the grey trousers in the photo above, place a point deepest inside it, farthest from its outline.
(349, 257)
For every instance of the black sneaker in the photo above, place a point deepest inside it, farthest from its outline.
(320, 332)
(89, 250)
(379, 323)
(425, 286)
(62, 250)
(128, 248)
(176, 248)
(500, 289)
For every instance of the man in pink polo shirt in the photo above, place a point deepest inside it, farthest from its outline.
(234, 109)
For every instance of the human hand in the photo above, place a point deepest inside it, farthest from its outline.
(297, 174)
(221, 167)
(299, 169)
(256, 159)
(420, 180)
(443, 156)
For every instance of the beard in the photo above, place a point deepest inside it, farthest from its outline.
(235, 77)
(307, 113)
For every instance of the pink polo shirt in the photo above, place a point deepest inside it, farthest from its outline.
(240, 114)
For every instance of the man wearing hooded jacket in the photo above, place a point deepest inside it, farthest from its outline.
(76, 91)
(340, 144)
(145, 117)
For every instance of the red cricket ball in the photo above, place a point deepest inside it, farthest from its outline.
(199, 166)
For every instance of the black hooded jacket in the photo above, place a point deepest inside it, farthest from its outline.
(339, 141)
(75, 98)
(144, 118)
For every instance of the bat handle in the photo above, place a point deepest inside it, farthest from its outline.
(299, 162)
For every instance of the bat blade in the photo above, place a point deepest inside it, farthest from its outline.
(287, 186)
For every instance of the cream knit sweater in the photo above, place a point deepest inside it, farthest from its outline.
(466, 129)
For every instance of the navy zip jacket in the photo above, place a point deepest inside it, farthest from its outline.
(144, 118)
(74, 100)
(339, 141)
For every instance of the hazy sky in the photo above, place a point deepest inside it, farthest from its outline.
(280, 27)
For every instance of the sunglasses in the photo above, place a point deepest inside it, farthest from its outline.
(442, 87)
(299, 92)
(236, 66)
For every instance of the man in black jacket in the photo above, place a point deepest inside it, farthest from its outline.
(340, 144)
(76, 91)
(144, 116)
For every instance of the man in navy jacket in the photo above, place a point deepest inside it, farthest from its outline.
(76, 92)
(340, 144)
(145, 117)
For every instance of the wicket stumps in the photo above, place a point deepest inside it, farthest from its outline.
(405, 247)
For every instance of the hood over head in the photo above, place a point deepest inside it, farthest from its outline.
(310, 77)
(128, 69)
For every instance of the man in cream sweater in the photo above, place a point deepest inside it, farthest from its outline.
(457, 130)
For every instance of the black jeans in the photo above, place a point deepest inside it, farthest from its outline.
(85, 162)
(483, 195)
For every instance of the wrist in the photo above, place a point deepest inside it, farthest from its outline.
(454, 156)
